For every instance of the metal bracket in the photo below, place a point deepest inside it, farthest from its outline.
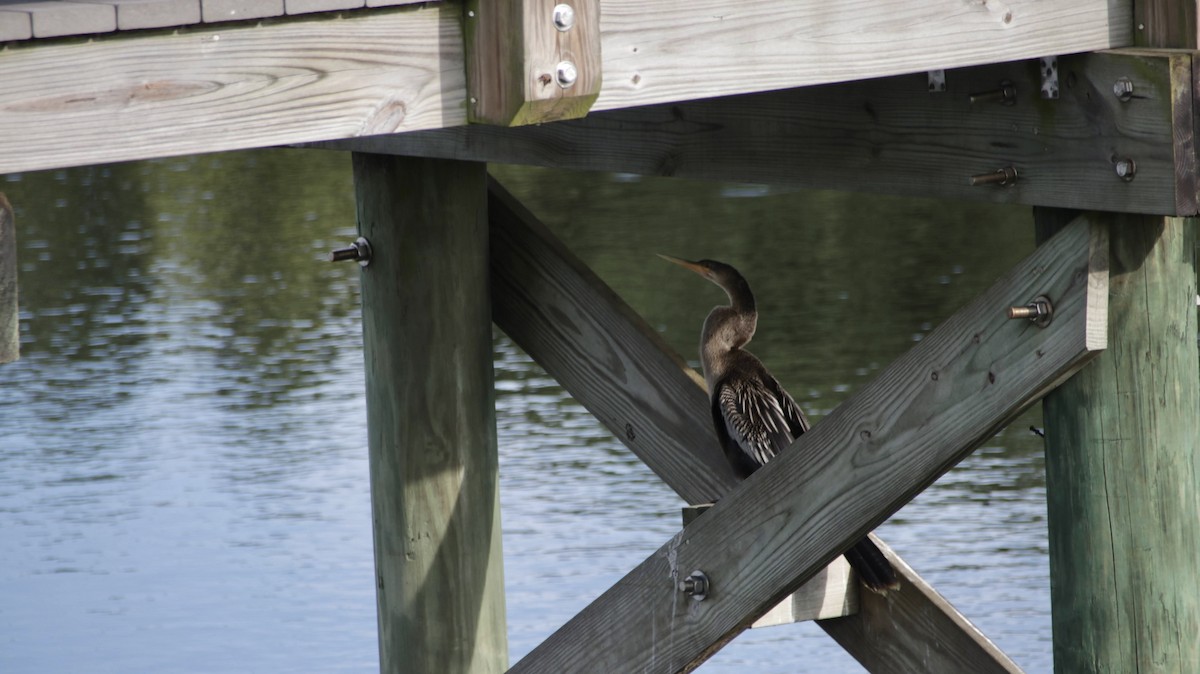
(1049, 69)
(937, 81)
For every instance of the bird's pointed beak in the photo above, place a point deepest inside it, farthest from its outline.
(686, 264)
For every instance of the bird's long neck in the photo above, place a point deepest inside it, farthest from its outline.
(727, 329)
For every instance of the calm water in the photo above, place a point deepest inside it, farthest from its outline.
(183, 475)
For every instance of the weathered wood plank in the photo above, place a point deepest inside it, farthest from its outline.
(513, 53)
(239, 10)
(10, 333)
(57, 19)
(15, 25)
(309, 6)
(211, 90)
(1122, 487)
(431, 415)
(894, 437)
(134, 97)
(832, 593)
(890, 135)
(138, 14)
(619, 368)
(1165, 23)
(674, 50)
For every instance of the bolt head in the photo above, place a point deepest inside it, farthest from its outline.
(1125, 168)
(564, 17)
(566, 74)
(1123, 89)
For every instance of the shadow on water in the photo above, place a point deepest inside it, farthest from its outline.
(183, 460)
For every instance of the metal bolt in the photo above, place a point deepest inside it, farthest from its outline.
(1125, 168)
(1040, 311)
(1003, 176)
(360, 251)
(1123, 89)
(1005, 95)
(566, 74)
(564, 17)
(696, 585)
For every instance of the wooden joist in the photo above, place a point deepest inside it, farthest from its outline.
(621, 371)
(762, 540)
(224, 87)
(892, 135)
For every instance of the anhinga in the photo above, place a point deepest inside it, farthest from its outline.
(754, 416)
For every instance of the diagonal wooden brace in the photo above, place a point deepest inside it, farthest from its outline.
(763, 540)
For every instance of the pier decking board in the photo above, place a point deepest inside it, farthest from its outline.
(56, 19)
(25, 19)
(141, 14)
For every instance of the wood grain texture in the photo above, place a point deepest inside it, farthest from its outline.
(890, 135)
(832, 593)
(1165, 23)
(1122, 479)
(674, 50)
(431, 415)
(10, 332)
(926, 411)
(512, 53)
(213, 89)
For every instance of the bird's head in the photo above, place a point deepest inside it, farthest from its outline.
(718, 272)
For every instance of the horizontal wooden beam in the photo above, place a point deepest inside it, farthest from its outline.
(619, 368)
(890, 440)
(213, 89)
(892, 135)
(143, 95)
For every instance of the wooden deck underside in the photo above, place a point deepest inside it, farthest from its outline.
(138, 94)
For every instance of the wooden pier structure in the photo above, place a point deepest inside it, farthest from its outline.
(1082, 109)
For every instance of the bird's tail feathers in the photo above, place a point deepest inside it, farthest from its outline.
(873, 568)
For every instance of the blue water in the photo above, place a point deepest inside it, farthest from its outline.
(183, 475)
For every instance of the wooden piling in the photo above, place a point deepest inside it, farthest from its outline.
(1123, 493)
(10, 335)
(431, 415)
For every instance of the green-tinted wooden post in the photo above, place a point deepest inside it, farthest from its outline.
(431, 416)
(9, 324)
(1123, 490)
